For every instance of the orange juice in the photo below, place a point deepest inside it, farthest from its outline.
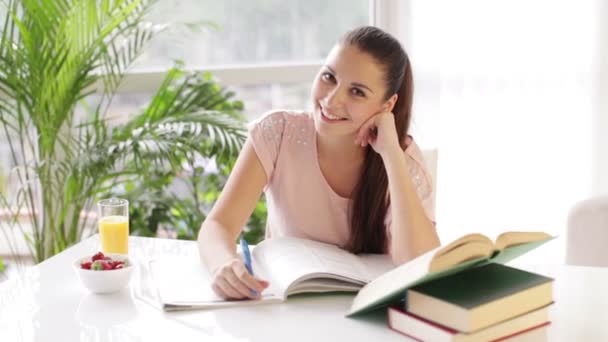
(114, 234)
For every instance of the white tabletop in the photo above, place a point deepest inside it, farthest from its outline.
(47, 303)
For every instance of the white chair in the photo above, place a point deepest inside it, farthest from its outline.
(587, 236)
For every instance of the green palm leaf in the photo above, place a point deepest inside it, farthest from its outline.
(52, 54)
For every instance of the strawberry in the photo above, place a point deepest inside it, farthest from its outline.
(119, 266)
(106, 266)
(98, 256)
(116, 263)
(86, 265)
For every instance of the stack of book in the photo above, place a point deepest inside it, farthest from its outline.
(492, 302)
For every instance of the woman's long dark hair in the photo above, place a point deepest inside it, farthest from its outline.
(370, 201)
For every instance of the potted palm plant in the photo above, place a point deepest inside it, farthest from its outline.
(53, 55)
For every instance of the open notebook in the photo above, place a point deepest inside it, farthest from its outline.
(290, 265)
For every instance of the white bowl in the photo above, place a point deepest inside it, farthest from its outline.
(107, 281)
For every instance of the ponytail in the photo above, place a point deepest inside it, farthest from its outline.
(370, 201)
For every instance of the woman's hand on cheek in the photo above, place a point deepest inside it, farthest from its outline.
(379, 131)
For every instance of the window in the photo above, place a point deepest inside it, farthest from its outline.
(249, 32)
(267, 51)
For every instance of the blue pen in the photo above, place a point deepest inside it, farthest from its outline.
(247, 257)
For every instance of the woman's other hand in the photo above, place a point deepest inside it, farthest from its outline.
(379, 131)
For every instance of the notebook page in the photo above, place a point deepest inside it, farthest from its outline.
(290, 259)
(376, 265)
(184, 281)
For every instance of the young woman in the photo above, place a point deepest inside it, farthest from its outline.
(346, 174)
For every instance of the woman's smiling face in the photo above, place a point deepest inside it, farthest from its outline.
(348, 90)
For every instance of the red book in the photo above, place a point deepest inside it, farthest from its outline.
(530, 326)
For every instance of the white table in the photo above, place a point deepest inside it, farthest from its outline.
(47, 303)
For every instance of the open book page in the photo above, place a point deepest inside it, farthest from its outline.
(184, 283)
(468, 247)
(298, 265)
(478, 246)
(511, 252)
(374, 265)
(509, 239)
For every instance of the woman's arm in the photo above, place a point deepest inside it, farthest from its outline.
(412, 232)
(218, 233)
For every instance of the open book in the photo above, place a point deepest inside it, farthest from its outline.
(468, 251)
(291, 266)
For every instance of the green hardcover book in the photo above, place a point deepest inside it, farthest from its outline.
(479, 297)
(468, 251)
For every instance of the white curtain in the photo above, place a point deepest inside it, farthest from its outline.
(507, 92)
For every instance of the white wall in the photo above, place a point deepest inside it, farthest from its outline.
(513, 95)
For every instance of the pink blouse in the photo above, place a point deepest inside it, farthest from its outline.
(300, 202)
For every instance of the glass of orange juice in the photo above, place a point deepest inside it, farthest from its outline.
(114, 225)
